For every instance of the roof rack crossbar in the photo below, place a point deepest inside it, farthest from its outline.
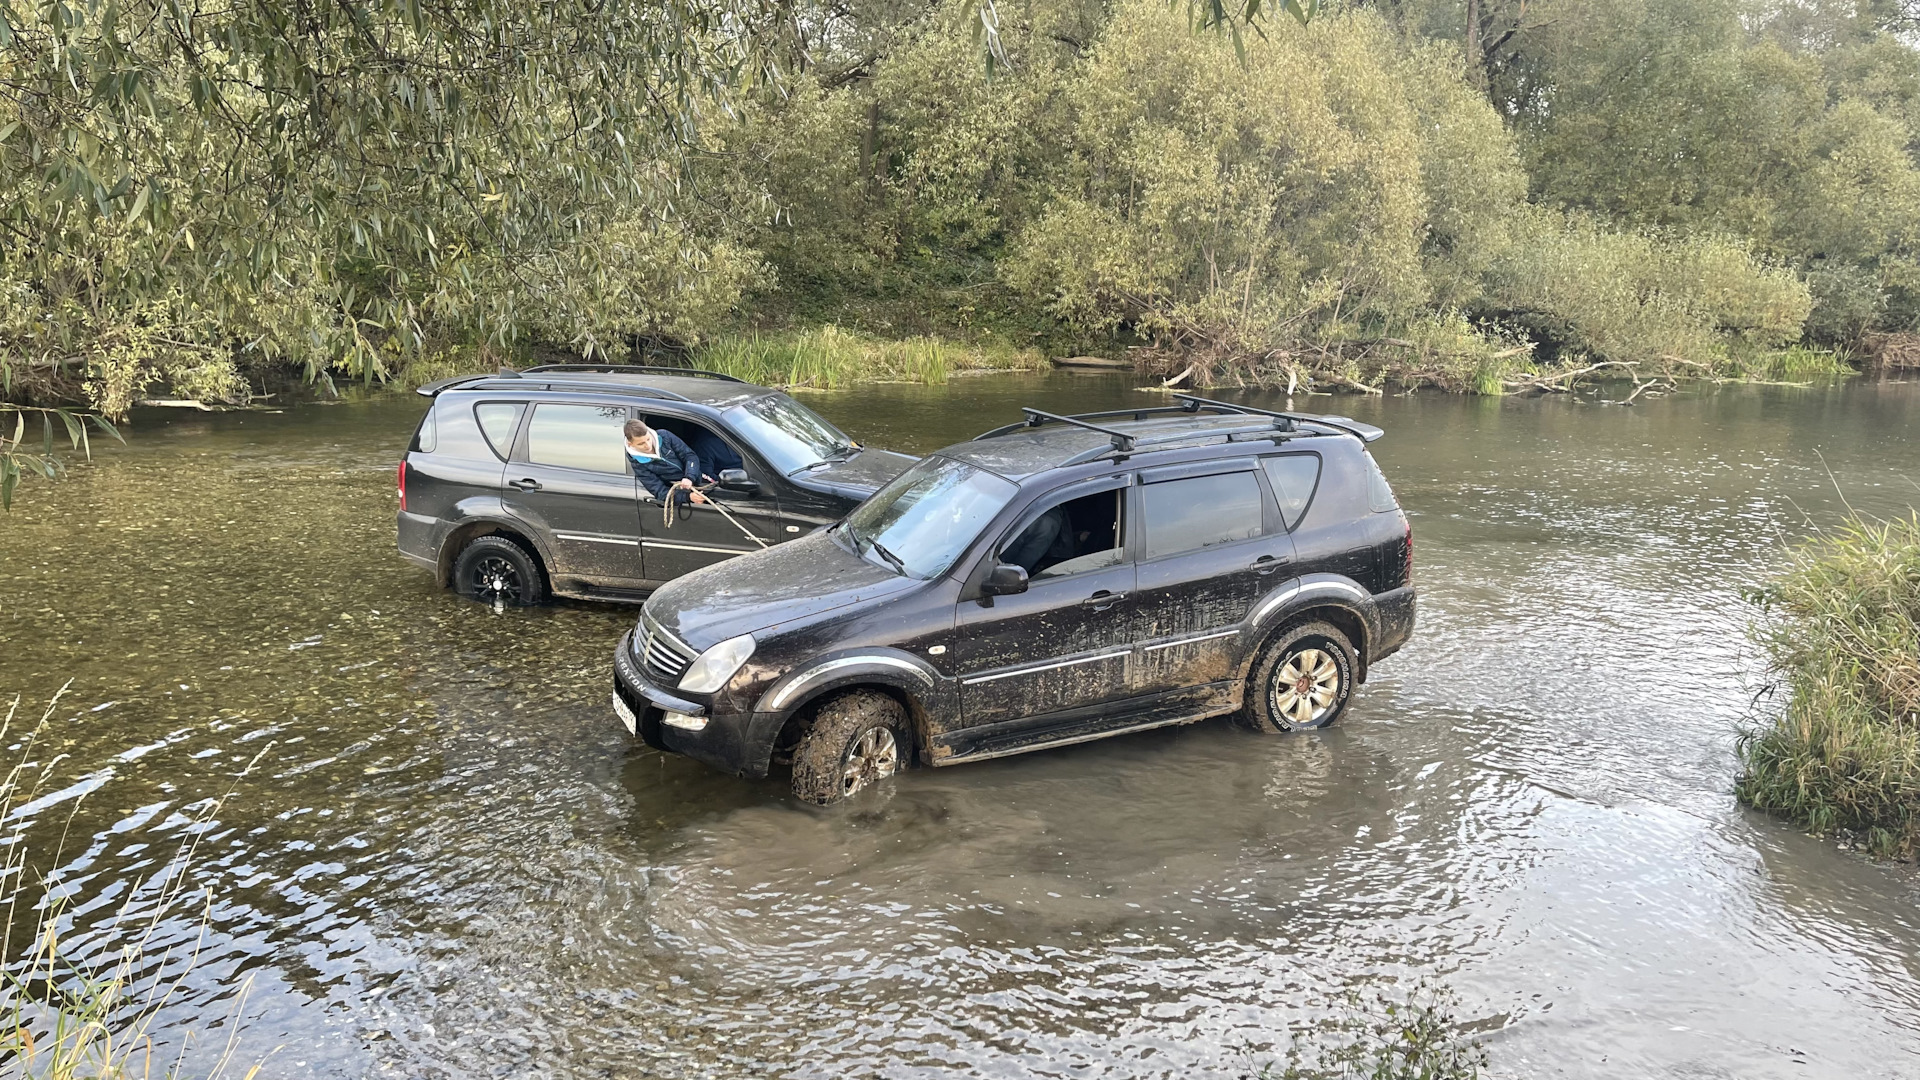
(1145, 412)
(1364, 432)
(1122, 441)
(1167, 438)
(634, 369)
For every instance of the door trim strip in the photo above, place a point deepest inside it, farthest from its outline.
(596, 539)
(1045, 667)
(693, 547)
(1191, 640)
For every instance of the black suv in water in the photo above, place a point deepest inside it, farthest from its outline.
(1049, 582)
(518, 484)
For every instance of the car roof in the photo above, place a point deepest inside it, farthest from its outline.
(1047, 442)
(690, 385)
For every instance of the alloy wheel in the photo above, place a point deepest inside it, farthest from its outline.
(495, 578)
(1306, 686)
(873, 756)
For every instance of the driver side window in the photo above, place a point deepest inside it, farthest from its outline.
(716, 454)
(1071, 537)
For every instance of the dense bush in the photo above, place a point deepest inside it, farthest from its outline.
(1361, 197)
(1842, 633)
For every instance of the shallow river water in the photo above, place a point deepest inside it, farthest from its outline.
(448, 859)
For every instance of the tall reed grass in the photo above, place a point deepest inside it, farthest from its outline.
(831, 358)
(64, 1017)
(1841, 632)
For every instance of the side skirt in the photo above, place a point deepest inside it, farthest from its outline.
(1185, 706)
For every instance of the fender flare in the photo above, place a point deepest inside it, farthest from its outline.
(488, 510)
(806, 683)
(1314, 591)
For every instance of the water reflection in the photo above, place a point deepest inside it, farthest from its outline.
(450, 862)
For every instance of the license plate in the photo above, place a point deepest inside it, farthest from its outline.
(626, 715)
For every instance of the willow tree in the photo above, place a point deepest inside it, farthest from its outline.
(330, 180)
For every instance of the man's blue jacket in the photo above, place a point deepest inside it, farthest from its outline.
(672, 462)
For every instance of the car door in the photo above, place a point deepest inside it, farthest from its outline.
(702, 535)
(568, 477)
(1212, 544)
(1063, 644)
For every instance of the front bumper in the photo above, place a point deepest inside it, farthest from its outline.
(721, 744)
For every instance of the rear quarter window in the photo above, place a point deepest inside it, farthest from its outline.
(1379, 493)
(1201, 511)
(497, 420)
(1293, 478)
(426, 438)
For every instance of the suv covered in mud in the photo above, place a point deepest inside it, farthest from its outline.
(1050, 582)
(517, 485)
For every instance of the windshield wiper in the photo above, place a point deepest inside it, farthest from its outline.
(891, 557)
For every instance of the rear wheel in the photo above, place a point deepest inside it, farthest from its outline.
(1302, 681)
(857, 739)
(496, 570)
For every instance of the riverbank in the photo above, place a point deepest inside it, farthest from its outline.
(1841, 632)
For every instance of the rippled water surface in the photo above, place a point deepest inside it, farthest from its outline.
(449, 860)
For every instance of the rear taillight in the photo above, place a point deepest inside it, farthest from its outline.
(403, 483)
(1406, 569)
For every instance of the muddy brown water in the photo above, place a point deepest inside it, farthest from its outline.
(450, 861)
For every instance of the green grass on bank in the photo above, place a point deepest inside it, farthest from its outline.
(829, 358)
(1841, 631)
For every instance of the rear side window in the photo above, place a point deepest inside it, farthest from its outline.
(428, 437)
(1379, 493)
(1200, 511)
(1293, 479)
(497, 421)
(578, 437)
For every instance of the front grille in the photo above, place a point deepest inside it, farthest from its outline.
(660, 653)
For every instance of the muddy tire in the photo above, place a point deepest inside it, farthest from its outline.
(1303, 680)
(857, 739)
(494, 568)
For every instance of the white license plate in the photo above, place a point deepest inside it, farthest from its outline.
(626, 715)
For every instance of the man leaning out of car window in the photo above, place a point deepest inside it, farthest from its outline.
(664, 464)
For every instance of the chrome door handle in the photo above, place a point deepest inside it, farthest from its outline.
(528, 484)
(1103, 600)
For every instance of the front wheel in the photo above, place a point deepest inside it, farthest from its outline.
(496, 570)
(1302, 681)
(857, 739)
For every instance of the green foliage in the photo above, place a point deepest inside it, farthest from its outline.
(16, 461)
(1643, 295)
(1841, 631)
(334, 184)
(830, 358)
(1302, 194)
(1382, 1038)
(1791, 125)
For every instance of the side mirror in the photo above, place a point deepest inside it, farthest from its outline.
(1004, 579)
(738, 480)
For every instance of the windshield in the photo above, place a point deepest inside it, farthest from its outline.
(919, 523)
(790, 435)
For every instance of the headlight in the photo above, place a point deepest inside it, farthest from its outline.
(717, 665)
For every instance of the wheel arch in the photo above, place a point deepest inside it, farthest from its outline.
(468, 530)
(788, 705)
(1336, 601)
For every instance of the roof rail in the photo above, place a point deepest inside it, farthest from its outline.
(433, 389)
(1366, 433)
(633, 369)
